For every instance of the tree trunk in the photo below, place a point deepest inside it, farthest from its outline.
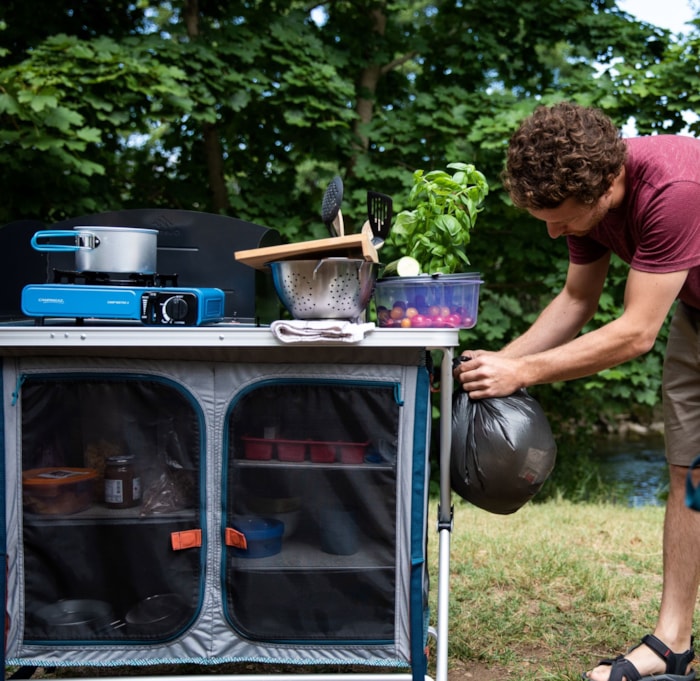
(213, 154)
(367, 84)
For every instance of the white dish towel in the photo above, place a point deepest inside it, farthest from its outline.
(316, 330)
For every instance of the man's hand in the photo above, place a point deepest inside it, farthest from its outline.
(488, 374)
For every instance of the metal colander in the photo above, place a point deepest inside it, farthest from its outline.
(330, 288)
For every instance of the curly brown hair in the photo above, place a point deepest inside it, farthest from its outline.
(562, 151)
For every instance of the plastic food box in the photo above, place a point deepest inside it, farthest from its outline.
(265, 449)
(428, 301)
(55, 491)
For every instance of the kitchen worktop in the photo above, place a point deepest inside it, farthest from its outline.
(220, 341)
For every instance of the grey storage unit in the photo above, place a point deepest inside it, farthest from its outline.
(232, 431)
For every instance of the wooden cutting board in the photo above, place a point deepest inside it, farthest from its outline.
(350, 246)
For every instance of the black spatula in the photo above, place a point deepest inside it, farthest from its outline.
(379, 212)
(330, 207)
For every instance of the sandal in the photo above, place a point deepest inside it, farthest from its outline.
(676, 664)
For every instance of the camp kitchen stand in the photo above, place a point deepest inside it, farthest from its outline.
(191, 404)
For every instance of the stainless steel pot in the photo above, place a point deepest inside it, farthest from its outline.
(105, 249)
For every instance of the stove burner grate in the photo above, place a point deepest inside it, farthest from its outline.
(113, 278)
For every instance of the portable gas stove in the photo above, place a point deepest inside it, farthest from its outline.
(152, 299)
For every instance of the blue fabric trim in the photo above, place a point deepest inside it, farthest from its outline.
(3, 521)
(418, 511)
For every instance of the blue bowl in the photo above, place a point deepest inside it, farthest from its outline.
(263, 537)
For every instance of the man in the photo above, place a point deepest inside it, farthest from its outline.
(638, 198)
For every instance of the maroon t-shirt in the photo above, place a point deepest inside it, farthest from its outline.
(657, 227)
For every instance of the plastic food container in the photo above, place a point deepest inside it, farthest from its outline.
(322, 452)
(428, 301)
(263, 537)
(258, 448)
(352, 452)
(291, 450)
(58, 490)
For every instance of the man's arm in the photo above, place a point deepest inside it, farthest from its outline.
(568, 312)
(547, 353)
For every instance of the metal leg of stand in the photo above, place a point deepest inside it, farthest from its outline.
(443, 605)
(444, 514)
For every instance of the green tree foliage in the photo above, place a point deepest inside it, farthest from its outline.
(249, 108)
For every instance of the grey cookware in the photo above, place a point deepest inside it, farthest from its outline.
(77, 617)
(105, 249)
(158, 614)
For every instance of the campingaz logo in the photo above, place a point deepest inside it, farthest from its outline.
(52, 301)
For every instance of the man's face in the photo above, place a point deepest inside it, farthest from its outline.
(572, 217)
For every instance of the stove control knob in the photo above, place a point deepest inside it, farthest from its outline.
(175, 309)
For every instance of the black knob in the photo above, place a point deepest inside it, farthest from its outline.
(176, 308)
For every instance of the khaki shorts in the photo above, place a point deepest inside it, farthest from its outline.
(681, 387)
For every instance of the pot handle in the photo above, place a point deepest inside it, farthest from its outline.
(61, 247)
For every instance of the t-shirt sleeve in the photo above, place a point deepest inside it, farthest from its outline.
(662, 234)
(670, 238)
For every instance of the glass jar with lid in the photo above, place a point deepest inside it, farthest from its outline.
(122, 482)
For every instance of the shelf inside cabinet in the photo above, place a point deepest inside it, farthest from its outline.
(296, 465)
(104, 515)
(304, 556)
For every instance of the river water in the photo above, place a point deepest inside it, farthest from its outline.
(640, 466)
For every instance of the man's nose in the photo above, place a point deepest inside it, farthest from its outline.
(555, 229)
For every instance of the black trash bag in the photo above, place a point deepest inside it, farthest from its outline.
(502, 450)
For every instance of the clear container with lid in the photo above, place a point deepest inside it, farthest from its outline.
(122, 482)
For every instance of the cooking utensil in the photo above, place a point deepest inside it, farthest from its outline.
(330, 207)
(379, 212)
(330, 288)
(78, 617)
(339, 224)
(158, 614)
(105, 249)
(350, 246)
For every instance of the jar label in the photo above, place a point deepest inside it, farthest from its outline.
(114, 492)
(136, 489)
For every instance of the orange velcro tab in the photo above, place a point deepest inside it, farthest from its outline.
(235, 538)
(187, 539)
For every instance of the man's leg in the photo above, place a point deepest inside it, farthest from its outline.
(681, 534)
(681, 555)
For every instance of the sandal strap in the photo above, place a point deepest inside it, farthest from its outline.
(676, 663)
(621, 668)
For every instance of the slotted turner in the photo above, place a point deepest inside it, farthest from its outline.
(379, 212)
